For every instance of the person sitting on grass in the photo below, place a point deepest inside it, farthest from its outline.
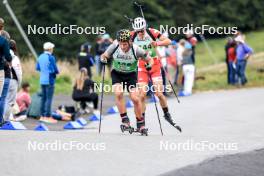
(23, 101)
(83, 91)
(61, 115)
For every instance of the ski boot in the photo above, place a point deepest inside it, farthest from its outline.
(141, 127)
(167, 117)
(125, 126)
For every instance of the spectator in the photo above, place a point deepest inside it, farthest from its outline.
(98, 54)
(239, 33)
(85, 58)
(23, 101)
(2, 24)
(178, 75)
(106, 42)
(61, 115)
(15, 80)
(46, 65)
(161, 52)
(2, 31)
(171, 54)
(83, 91)
(3, 48)
(227, 46)
(231, 60)
(5, 62)
(243, 52)
(188, 70)
(193, 41)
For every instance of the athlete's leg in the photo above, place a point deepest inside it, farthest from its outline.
(158, 85)
(158, 88)
(119, 98)
(134, 96)
(143, 89)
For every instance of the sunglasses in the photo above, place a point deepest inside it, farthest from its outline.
(141, 31)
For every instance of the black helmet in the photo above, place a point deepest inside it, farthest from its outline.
(86, 47)
(123, 35)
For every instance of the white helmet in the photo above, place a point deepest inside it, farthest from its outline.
(139, 23)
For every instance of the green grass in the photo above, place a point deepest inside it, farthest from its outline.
(63, 84)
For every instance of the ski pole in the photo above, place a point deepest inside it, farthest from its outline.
(155, 102)
(102, 96)
(130, 20)
(168, 77)
(140, 7)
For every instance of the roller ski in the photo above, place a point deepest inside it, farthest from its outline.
(141, 128)
(168, 118)
(143, 131)
(125, 126)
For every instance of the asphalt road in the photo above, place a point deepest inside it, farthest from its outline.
(218, 128)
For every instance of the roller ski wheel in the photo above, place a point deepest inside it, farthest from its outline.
(169, 119)
(125, 127)
(141, 127)
(143, 131)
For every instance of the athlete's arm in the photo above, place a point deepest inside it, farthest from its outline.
(144, 55)
(163, 41)
(109, 52)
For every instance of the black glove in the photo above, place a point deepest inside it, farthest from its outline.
(148, 66)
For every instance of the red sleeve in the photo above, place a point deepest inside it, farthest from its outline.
(155, 33)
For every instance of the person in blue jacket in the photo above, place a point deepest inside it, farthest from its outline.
(5, 59)
(243, 52)
(46, 65)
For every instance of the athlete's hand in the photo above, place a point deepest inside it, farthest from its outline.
(154, 44)
(103, 60)
(148, 66)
